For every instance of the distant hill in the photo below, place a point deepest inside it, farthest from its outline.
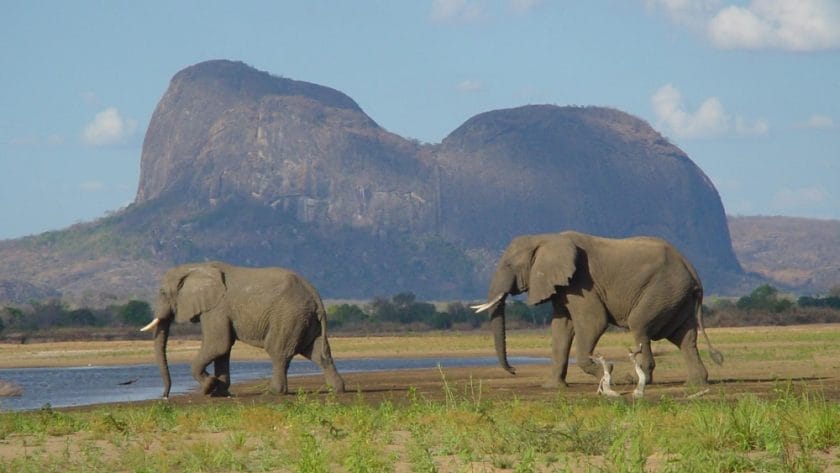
(255, 169)
(794, 253)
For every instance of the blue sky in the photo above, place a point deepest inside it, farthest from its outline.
(749, 89)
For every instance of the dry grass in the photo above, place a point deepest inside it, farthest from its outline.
(773, 406)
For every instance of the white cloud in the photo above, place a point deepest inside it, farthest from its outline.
(801, 25)
(798, 199)
(759, 127)
(819, 122)
(108, 128)
(791, 25)
(469, 86)
(687, 12)
(710, 120)
(456, 11)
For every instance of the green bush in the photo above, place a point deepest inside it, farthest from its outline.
(832, 302)
(764, 297)
(135, 313)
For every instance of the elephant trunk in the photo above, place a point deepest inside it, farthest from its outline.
(501, 285)
(497, 323)
(161, 337)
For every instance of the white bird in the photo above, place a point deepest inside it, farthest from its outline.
(604, 386)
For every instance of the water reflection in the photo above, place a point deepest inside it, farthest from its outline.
(63, 387)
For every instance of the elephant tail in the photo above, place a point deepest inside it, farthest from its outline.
(716, 355)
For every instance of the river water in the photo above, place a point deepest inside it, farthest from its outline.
(79, 386)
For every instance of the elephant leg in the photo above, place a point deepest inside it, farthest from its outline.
(319, 353)
(685, 337)
(199, 372)
(590, 322)
(216, 341)
(562, 334)
(279, 375)
(651, 317)
(643, 356)
(221, 369)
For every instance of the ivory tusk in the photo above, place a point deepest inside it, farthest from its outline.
(151, 325)
(482, 307)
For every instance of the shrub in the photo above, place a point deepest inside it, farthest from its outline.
(135, 313)
(764, 297)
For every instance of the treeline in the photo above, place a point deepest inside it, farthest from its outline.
(403, 312)
(767, 306)
(37, 316)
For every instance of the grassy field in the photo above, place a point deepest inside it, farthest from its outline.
(772, 406)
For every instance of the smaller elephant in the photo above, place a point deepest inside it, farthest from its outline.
(270, 308)
(643, 284)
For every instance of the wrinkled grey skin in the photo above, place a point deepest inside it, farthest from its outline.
(643, 284)
(271, 308)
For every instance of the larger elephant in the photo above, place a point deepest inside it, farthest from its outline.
(643, 284)
(271, 308)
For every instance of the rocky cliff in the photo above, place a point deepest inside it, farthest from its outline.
(796, 253)
(255, 169)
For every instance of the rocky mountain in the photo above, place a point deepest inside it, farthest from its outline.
(255, 169)
(800, 254)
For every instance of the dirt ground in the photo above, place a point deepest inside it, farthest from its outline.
(759, 361)
(757, 367)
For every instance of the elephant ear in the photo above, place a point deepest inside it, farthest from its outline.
(199, 291)
(553, 265)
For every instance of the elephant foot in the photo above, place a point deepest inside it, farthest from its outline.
(338, 388)
(221, 390)
(209, 385)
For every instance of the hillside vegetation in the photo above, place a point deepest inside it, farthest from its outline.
(254, 169)
(796, 253)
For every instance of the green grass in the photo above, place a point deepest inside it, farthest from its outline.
(785, 432)
(790, 429)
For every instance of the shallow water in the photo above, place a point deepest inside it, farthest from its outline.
(79, 386)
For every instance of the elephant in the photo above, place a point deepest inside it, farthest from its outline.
(271, 308)
(642, 284)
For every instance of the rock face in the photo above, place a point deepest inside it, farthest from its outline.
(797, 253)
(545, 168)
(254, 169)
(224, 130)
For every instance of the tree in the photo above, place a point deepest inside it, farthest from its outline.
(829, 302)
(382, 310)
(460, 313)
(135, 313)
(402, 308)
(339, 315)
(764, 297)
(536, 315)
(81, 318)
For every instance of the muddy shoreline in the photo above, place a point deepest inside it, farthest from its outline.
(744, 371)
